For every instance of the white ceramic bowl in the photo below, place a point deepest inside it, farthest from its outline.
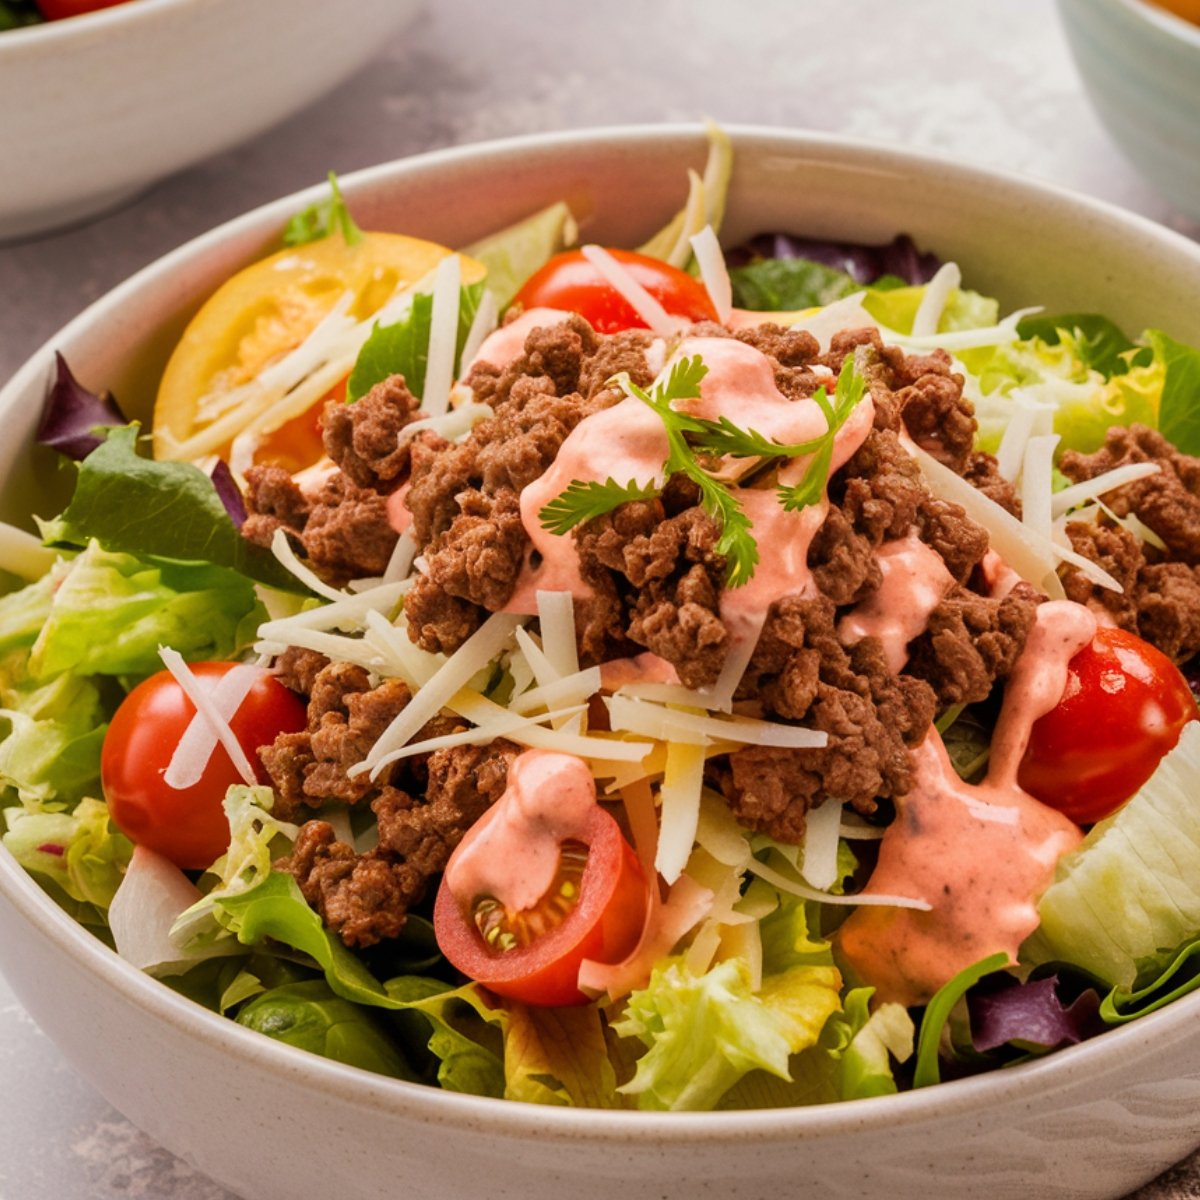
(1141, 67)
(99, 106)
(266, 1120)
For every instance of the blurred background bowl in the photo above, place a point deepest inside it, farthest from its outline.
(97, 107)
(1140, 65)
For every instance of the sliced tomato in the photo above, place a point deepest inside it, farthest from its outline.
(594, 910)
(1123, 708)
(186, 825)
(56, 10)
(569, 282)
(263, 312)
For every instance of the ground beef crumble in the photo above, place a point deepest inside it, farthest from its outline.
(656, 579)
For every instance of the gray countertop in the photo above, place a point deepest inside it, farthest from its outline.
(987, 82)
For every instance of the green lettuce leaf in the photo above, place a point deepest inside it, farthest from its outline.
(1132, 888)
(322, 219)
(312, 1017)
(157, 510)
(462, 1035)
(1179, 407)
(50, 736)
(1097, 342)
(24, 612)
(1160, 979)
(896, 307)
(512, 255)
(79, 853)
(403, 348)
(110, 612)
(558, 1056)
(788, 284)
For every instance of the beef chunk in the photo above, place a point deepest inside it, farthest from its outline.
(1169, 502)
(871, 717)
(296, 669)
(480, 556)
(437, 621)
(939, 418)
(971, 642)
(983, 474)
(365, 898)
(1115, 550)
(273, 502)
(363, 438)
(843, 561)
(1168, 608)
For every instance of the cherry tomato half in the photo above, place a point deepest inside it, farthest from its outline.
(595, 910)
(1123, 708)
(55, 10)
(187, 825)
(568, 281)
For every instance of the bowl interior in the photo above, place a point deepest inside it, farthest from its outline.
(1024, 243)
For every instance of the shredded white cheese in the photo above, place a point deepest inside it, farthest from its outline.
(934, 301)
(1022, 425)
(348, 613)
(851, 900)
(713, 272)
(282, 549)
(1037, 485)
(207, 709)
(697, 729)
(679, 798)
(443, 336)
(199, 740)
(640, 300)
(23, 555)
(487, 317)
(1089, 489)
(822, 830)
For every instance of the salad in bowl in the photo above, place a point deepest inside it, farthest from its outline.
(710, 672)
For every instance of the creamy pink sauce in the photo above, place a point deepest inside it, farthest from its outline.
(915, 579)
(506, 344)
(512, 852)
(980, 856)
(398, 516)
(998, 575)
(641, 668)
(627, 442)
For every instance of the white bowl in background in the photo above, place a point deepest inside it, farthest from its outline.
(1140, 65)
(99, 106)
(266, 1120)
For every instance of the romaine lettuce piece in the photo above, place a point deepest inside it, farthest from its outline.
(1132, 888)
(79, 853)
(110, 612)
(513, 254)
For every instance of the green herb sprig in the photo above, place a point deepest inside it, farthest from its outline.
(688, 438)
(321, 219)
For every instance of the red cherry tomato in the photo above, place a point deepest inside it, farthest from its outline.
(568, 281)
(595, 914)
(1123, 708)
(55, 10)
(187, 825)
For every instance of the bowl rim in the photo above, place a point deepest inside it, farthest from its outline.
(47, 33)
(1039, 1078)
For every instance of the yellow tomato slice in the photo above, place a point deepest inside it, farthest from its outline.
(264, 312)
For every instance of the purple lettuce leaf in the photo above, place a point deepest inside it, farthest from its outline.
(863, 263)
(71, 414)
(228, 492)
(1031, 1015)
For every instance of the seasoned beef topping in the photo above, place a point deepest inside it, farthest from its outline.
(363, 438)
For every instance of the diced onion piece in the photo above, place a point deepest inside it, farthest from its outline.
(679, 797)
(851, 900)
(282, 549)
(1037, 484)
(207, 709)
(693, 728)
(640, 300)
(443, 336)
(1089, 489)
(713, 272)
(199, 739)
(481, 648)
(933, 302)
(819, 858)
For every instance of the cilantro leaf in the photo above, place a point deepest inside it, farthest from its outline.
(583, 502)
(403, 347)
(322, 219)
(851, 387)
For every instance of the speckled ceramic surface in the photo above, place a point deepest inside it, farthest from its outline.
(1141, 67)
(1093, 1121)
(97, 107)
